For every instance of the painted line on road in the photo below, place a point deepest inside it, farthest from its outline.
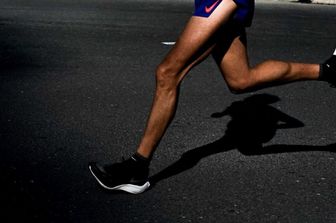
(168, 43)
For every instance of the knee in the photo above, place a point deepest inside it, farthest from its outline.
(166, 76)
(239, 85)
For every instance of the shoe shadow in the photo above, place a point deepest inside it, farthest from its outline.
(253, 122)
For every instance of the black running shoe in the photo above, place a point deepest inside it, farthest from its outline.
(127, 176)
(328, 70)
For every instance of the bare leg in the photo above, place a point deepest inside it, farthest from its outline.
(192, 47)
(240, 76)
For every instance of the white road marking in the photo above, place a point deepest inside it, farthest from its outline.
(168, 43)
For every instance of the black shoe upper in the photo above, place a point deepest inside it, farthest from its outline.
(328, 70)
(126, 172)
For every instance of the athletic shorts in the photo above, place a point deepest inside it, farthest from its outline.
(243, 15)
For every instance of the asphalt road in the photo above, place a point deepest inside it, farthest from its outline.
(76, 84)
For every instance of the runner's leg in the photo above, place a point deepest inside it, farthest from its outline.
(241, 77)
(195, 43)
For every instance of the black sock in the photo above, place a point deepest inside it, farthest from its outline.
(327, 69)
(140, 160)
(322, 73)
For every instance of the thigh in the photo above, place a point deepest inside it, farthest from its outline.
(198, 38)
(230, 53)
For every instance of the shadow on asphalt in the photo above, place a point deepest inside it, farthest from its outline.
(254, 122)
(303, 1)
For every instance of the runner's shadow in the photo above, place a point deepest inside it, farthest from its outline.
(254, 122)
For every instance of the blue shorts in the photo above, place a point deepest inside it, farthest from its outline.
(243, 14)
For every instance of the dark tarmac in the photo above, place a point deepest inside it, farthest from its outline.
(76, 85)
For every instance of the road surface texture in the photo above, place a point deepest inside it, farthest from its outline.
(76, 85)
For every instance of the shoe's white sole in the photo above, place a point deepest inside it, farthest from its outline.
(130, 188)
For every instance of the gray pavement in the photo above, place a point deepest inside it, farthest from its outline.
(76, 84)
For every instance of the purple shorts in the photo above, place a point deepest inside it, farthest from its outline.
(243, 14)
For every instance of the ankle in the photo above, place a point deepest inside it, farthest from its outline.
(140, 159)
